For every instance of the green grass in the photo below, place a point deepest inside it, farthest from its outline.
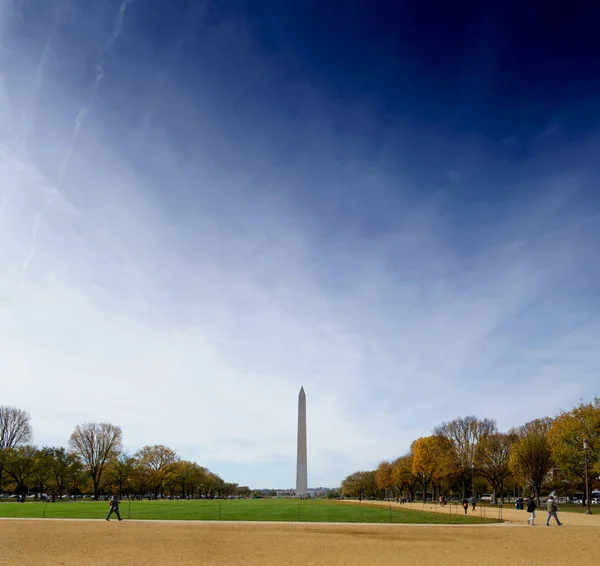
(237, 510)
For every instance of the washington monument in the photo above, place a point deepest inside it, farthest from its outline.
(301, 474)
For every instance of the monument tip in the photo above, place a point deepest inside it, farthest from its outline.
(302, 389)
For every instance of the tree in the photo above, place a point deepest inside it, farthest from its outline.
(120, 471)
(403, 476)
(360, 485)
(21, 464)
(566, 436)
(530, 458)
(492, 457)
(243, 491)
(384, 476)
(96, 444)
(188, 476)
(43, 473)
(62, 466)
(15, 429)
(465, 433)
(159, 461)
(433, 459)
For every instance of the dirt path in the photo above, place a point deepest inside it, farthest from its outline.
(168, 543)
(509, 513)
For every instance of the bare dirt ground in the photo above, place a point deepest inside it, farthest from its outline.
(509, 513)
(87, 542)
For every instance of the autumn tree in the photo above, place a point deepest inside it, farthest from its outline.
(566, 436)
(492, 456)
(433, 459)
(384, 476)
(159, 461)
(15, 429)
(530, 457)
(465, 433)
(96, 444)
(403, 476)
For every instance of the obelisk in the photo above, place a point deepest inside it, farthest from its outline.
(301, 474)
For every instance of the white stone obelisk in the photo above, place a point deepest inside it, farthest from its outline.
(301, 473)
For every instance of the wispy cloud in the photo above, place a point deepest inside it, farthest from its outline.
(186, 285)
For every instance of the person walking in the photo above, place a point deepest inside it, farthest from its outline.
(473, 502)
(551, 508)
(531, 507)
(114, 507)
(465, 504)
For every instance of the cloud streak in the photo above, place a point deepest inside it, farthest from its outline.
(30, 256)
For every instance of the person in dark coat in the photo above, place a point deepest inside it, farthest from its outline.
(465, 504)
(114, 507)
(531, 507)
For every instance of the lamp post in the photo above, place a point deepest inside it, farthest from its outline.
(586, 447)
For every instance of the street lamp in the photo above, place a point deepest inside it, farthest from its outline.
(586, 447)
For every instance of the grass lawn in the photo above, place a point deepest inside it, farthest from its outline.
(237, 510)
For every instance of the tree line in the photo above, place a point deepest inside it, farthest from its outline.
(468, 455)
(94, 463)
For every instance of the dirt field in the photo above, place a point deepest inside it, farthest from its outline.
(167, 543)
(509, 513)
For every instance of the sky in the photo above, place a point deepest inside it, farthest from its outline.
(206, 205)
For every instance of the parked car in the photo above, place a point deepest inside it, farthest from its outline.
(486, 497)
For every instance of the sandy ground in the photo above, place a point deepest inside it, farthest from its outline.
(509, 514)
(86, 542)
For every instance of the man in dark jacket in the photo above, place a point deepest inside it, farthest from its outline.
(531, 507)
(114, 508)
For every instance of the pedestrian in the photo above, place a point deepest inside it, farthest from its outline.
(465, 504)
(474, 502)
(551, 508)
(531, 507)
(114, 507)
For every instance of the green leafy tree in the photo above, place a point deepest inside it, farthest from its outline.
(15, 429)
(21, 463)
(158, 461)
(63, 464)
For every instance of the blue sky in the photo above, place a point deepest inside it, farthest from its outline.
(205, 206)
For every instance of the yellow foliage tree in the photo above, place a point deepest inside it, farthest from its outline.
(566, 437)
(433, 459)
(530, 457)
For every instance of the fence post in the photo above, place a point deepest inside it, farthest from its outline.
(44, 513)
(391, 521)
(298, 510)
(129, 516)
(220, 509)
